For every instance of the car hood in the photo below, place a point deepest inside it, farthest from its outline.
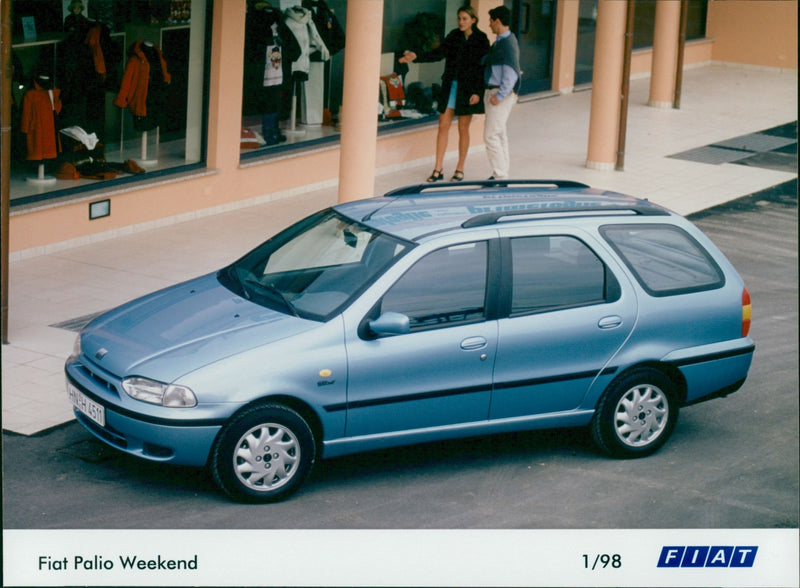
(179, 329)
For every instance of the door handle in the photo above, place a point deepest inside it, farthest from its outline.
(609, 322)
(473, 343)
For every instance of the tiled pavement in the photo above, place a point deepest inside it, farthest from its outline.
(774, 148)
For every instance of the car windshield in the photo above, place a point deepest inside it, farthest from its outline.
(314, 268)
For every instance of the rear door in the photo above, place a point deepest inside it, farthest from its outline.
(568, 314)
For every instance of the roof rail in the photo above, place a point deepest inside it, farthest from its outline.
(491, 218)
(431, 188)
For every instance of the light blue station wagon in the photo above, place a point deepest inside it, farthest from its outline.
(433, 312)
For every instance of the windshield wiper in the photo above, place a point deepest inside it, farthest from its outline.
(268, 290)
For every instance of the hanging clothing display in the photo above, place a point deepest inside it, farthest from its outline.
(144, 85)
(39, 107)
(85, 63)
(298, 19)
(316, 95)
(270, 48)
(328, 27)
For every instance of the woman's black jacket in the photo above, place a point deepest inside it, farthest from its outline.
(463, 56)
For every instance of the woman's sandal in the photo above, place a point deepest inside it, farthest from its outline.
(435, 176)
(458, 175)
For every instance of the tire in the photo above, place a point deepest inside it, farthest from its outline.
(284, 454)
(636, 414)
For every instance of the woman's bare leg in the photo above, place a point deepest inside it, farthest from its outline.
(445, 121)
(463, 140)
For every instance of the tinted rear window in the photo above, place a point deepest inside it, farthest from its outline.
(554, 271)
(665, 259)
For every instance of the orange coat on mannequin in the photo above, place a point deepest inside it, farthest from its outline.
(135, 81)
(38, 122)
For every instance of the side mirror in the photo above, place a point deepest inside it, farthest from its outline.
(390, 323)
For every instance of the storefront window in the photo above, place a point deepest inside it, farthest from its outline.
(105, 92)
(644, 21)
(294, 67)
(644, 26)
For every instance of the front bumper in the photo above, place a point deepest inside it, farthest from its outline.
(175, 441)
(176, 445)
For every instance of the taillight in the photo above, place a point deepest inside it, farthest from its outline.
(746, 311)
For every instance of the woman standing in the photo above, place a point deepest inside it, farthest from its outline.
(462, 85)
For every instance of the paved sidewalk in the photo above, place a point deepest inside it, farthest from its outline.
(709, 152)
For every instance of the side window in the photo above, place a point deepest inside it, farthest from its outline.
(550, 272)
(443, 288)
(665, 259)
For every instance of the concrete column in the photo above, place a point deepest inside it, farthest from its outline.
(566, 46)
(609, 51)
(665, 53)
(227, 75)
(359, 112)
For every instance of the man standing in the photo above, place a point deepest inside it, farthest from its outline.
(502, 77)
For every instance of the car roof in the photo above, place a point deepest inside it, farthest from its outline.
(414, 212)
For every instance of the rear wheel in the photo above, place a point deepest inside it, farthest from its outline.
(264, 454)
(636, 414)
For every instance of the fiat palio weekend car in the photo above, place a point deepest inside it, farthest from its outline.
(430, 313)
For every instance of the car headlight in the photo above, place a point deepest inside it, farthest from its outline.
(169, 395)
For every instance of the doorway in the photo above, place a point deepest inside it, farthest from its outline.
(587, 26)
(533, 21)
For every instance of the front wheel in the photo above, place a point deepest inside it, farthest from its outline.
(263, 454)
(636, 414)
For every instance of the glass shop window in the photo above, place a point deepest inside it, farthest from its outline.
(105, 92)
(645, 15)
(294, 69)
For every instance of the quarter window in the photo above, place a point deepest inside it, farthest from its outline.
(550, 272)
(665, 259)
(444, 288)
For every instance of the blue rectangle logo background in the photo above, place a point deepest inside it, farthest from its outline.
(707, 556)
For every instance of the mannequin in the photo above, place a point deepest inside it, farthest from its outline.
(270, 49)
(75, 19)
(332, 35)
(299, 20)
(39, 106)
(143, 90)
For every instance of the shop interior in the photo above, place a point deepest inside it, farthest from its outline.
(83, 71)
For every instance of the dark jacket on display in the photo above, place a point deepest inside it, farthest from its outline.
(463, 63)
(258, 37)
(328, 27)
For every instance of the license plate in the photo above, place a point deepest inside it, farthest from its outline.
(86, 405)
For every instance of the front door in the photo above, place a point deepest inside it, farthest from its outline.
(439, 373)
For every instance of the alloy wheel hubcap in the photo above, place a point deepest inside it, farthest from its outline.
(266, 457)
(641, 415)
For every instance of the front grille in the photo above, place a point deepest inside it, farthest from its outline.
(99, 379)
